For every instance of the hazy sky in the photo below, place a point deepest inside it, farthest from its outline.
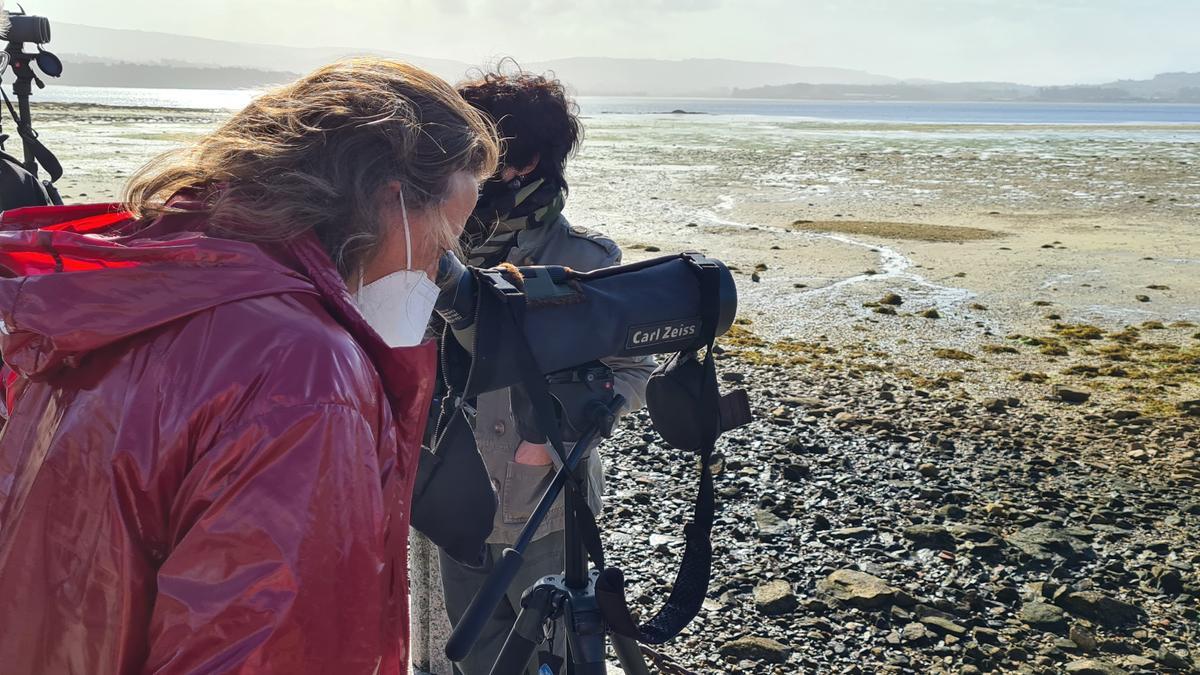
(1033, 41)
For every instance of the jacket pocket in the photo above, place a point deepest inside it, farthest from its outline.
(524, 486)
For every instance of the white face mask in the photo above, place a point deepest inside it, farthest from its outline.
(398, 306)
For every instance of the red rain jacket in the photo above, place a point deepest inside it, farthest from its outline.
(209, 457)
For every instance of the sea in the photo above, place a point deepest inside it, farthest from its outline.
(899, 112)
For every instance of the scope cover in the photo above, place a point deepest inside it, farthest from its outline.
(676, 399)
(571, 318)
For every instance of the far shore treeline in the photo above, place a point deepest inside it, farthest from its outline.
(1164, 88)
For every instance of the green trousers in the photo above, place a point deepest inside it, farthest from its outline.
(460, 583)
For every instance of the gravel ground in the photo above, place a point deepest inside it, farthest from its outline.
(871, 521)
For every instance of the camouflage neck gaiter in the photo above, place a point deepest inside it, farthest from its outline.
(504, 209)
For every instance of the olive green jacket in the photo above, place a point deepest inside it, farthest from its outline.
(518, 486)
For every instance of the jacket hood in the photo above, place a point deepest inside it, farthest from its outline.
(76, 279)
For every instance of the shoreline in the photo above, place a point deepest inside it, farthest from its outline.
(1001, 313)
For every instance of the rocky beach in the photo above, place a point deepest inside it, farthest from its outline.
(876, 520)
(973, 355)
(978, 425)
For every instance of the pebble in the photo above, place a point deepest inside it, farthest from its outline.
(857, 589)
(756, 649)
(1069, 394)
(1043, 615)
(775, 597)
(1093, 667)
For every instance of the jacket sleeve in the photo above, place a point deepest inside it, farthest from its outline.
(278, 530)
(630, 375)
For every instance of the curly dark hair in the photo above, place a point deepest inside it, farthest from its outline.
(534, 115)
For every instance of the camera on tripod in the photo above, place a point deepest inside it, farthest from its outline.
(19, 182)
(28, 28)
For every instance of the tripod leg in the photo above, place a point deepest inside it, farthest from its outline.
(585, 632)
(629, 654)
(526, 634)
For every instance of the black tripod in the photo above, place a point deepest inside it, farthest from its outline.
(568, 600)
(21, 63)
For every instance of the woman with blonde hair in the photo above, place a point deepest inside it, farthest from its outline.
(220, 388)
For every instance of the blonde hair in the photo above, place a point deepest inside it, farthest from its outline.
(313, 155)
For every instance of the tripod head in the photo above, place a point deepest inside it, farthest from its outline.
(580, 395)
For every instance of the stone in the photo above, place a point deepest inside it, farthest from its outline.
(775, 597)
(943, 625)
(796, 472)
(928, 470)
(914, 632)
(1172, 660)
(1069, 395)
(857, 589)
(846, 419)
(1083, 638)
(929, 536)
(995, 405)
(1095, 606)
(972, 533)
(769, 524)
(756, 649)
(985, 636)
(1167, 580)
(664, 543)
(931, 313)
(1008, 595)
(1043, 542)
(891, 299)
(1043, 616)
(857, 533)
(1138, 663)
(1092, 667)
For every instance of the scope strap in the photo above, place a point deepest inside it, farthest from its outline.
(41, 153)
(543, 408)
(695, 569)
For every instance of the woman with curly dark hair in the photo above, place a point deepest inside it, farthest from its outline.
(519, 219)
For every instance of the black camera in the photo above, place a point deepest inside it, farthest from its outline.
(28, 28)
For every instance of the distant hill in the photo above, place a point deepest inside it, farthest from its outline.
(903, 91)
(689, 77)
(203, 62)
(1184, 86)
(145, 47)
(129, 58)
(1167, 87)
(92, 72)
